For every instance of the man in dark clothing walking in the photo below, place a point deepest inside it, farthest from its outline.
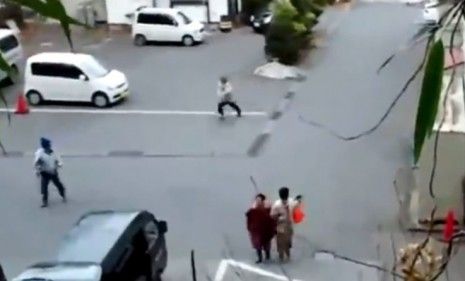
(47, 163)
(225, 96)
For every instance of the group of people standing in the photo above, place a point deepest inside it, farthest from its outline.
(265, 221)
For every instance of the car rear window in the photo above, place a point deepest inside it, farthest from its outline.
(8, 43)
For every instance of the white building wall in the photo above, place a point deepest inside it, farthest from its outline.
(118, 9)
(195, 12)
(217, 9)
(162, 3)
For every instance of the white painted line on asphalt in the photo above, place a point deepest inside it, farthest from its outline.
(46, 44)
(131, 112)
(221, 271)
(224, 264)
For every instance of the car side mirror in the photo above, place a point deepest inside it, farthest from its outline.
(82, 77)
(162, 227)
(175, 23)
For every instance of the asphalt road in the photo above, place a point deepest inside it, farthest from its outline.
(197, 173)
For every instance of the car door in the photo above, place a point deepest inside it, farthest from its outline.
(171, 30)
(45, 79)
(147, 26)
(156, 246)
(74, 84)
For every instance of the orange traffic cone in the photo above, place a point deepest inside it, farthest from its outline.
(21, 105)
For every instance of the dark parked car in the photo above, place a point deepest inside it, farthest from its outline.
(108, 245)
(261, 20)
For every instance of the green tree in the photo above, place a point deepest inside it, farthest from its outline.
(284, 37)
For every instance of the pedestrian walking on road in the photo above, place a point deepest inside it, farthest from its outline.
(261, 227)
(225, 95)
(47, 163)
(282, 211)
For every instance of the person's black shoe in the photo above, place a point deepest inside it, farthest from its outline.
(63, 198)
(259, 257)
(44, 205)
(267, 255)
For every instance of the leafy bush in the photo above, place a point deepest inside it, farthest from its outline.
(290, 30)
(284, 41)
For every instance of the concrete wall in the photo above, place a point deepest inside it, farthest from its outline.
(195, 12)
(117, 9)
(217, 9)
(449, 174)
(413, 185)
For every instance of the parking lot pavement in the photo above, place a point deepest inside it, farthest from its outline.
(177, 134)
(347, 186)
(180, 78)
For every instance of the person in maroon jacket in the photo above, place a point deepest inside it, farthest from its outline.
(261, 227)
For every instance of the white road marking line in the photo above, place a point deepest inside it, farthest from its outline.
(131, 112)
(46, 44)
(221, 271)
(223, 266)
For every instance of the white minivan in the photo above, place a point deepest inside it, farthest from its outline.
(165, 25)
(72, 77)
(12, 52)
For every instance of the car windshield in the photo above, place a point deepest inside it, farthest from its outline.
(185, 18)
(94, 68)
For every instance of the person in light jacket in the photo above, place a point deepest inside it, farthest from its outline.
(225, 96)
(282, 211)
(47, 163)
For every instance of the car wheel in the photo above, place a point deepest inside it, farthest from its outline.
(100, 100)
(140, 40)
(34, 98)
(187, 40)
(14, 78)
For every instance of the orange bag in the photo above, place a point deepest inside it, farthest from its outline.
(298, 215)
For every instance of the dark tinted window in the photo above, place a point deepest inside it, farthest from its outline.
(165, 20)
(155, 19)
(8, 43)
(56, 70)
(147, 18)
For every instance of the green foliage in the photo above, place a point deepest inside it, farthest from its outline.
(290, 30)
(52, 9)
(283, 41)
(429, 98)
(283, 11)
